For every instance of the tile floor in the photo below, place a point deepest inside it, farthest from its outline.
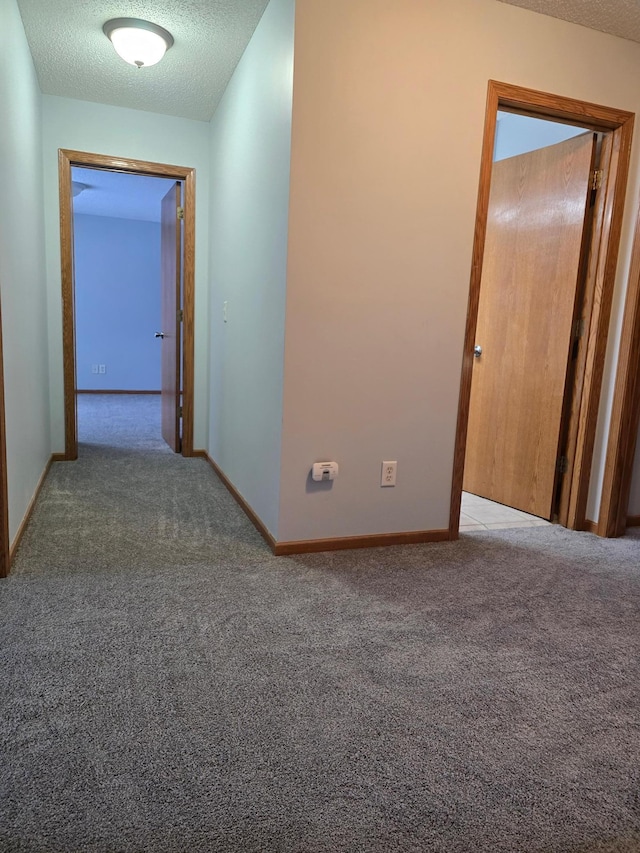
(481, 514)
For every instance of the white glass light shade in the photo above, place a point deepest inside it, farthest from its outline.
(139, 43)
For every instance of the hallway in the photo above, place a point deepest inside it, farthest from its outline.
(170, 686)
(129, 501)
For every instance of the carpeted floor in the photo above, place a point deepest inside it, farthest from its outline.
(168, 685)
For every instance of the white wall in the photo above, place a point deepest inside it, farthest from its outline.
(389, 107)
(102, 129)
(22, 270)
(250, 159)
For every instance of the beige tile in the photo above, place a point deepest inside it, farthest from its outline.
(494, 515)
(491, 514)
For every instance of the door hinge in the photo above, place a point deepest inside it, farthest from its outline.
(181, 213)
(578, 328)
(596, 179)
(563, 465)
(180, 315)
(179, 411)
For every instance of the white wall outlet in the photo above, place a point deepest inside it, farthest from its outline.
(224, 311)
(102, 368)
(389, 471)
(94, 368)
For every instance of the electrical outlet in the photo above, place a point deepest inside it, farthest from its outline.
(94, 368)
(102, 368)
(389, 470)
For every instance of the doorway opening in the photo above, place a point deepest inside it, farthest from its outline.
(530, 389)
(118, 291)
(178, 268)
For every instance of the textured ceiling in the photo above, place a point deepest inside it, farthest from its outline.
(74, 58)
(119, 194)
(617, 17)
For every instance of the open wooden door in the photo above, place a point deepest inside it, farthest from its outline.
(538, 209)
(171, 252)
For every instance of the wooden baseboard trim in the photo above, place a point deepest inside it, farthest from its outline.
(348, 543)
(235, 494)
(103, 391)
(310, 546)
(591, 526)
(633, 521)
(55, 457)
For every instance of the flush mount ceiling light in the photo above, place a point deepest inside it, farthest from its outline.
(138, 42)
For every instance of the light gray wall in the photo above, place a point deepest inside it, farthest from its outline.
(102, 129)
(22, 269)
(250, 160)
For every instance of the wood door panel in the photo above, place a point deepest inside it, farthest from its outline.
(171, 252)
(537, 210)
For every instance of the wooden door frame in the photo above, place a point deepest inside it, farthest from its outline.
(619, 124)
(5, 559)
(625, 413)
(66, 160)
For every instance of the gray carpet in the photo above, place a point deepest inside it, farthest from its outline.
(168, 685)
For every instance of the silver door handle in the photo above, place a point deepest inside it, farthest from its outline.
(477, 350)
(159, 334)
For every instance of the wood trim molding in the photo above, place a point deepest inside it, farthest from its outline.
(188, 304)
(633, 521)
(235, 494)
(102, 391)
(625, 414)
(66, 159)
(598, 118)
(589, 287)
(591, 527)
(56, 457)
(484, 188)
(599, 328)
(380, 540)
(5, 555)
(68, 308)
(309, 546)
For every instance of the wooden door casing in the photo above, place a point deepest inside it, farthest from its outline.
(186, 175)
(534, 242)
(171, 257)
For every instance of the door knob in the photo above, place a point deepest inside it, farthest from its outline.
(159, 334)
(477, 350)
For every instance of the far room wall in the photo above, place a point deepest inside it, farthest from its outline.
(117, 278)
